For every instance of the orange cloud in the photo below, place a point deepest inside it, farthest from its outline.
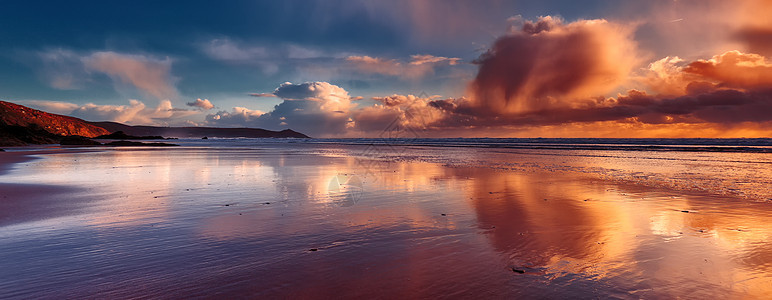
(404, 111)
(728, 95)
(418, 67)
(548, 64)
(734, 69)
(203, 104)
(665, 76)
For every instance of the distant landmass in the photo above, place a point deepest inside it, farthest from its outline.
(21, 125)
(197, 132)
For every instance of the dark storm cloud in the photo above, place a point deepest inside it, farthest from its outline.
(722, 106)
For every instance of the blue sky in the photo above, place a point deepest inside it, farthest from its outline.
(61, 56)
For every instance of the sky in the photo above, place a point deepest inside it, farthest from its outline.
(423, 68)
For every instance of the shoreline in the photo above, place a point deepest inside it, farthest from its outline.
(20, 154)
(10, 160)
(24, 202)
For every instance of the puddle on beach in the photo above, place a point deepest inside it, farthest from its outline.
(280, 222)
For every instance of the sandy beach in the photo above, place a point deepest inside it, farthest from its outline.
(328, 220)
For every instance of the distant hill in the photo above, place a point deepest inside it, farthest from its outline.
(16, 115)
(21, 125)
(197, 132)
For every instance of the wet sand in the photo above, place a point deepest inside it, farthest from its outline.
(322, 221)
(32, 201)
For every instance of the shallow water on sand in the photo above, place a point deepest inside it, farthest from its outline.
(315, 221)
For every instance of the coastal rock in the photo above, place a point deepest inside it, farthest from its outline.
(76, 140)
(134, 144)
(120, 135)
(15, 135)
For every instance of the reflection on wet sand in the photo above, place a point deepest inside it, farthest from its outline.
(570, 226)
(243, 223)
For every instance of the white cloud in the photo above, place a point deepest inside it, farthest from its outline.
(149, 75)
(227, 50)
(56, 107)
(231, 52)
(238, 117)
(135, 113)
(330, 97)
(297, 52)
(314, 108)
(68, 70)
(63, 69)
(115, 113)
(260, 95)
(270, 58)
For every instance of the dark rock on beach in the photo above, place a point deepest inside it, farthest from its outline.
(120, 135)
(76, 140)
(17, 135)
(135, 144)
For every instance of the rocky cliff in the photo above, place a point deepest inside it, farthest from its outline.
(17, 115)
